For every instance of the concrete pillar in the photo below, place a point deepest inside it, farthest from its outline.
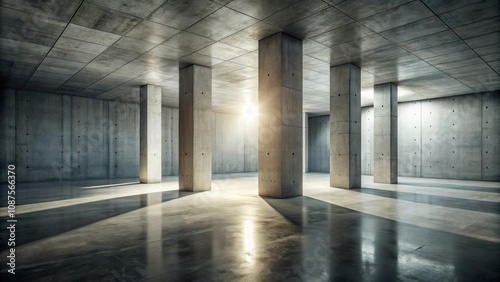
(345, 126)
(195, 128)
(150, 134)
(385, 105)
(280, 116)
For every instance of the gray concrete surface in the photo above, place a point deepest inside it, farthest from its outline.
(39, 138)
(429, 48)
(490, 108)
(124, 156)
(465, 151)
(446, 138)
(439, 227)
(195, 128)
(110, 145)
(319, 144)
(170, 141)
(409, 142)
(385, 133)
(126, 160)
(7, 132)
(451, 137)
(150, 134)
(367, 143)
(345, 126)
(229, 146)
(280, 116)
(251, 143)
(89, 142)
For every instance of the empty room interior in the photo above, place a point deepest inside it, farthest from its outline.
(237, 140)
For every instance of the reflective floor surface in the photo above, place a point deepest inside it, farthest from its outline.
(120, 230)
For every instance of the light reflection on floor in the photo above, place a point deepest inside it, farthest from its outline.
(420, 230)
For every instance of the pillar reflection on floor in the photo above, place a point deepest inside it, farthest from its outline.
(154, 235)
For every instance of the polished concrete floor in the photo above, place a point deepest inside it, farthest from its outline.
(120, 230)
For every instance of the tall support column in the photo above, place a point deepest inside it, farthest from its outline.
(150, 134)
(345, 126)
(385, 106)
(280, 116)
(195, 128)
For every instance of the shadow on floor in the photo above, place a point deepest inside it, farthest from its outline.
(453, 186)
(63, 190)
(52, 222)
(346, 245)
(449, 202)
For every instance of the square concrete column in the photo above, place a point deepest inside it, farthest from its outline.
(280, 116)
(195, 128)
(345, 126)
(150, 134)
(385, 105)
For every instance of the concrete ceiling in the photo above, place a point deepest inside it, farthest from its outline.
(106, 49)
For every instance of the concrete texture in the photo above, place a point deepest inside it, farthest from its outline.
(490, 108)
(195, 128)
(167, 140)
(367, 117)
(385, 134)
(280, 116)
(446, 138)
(7, 132)
(466, 151)
(345, 126)
(409, 141)
(170, 141)
(445, 230)
(115, 158)
(89, 138)
(451, 137)
(251, 143)
(39, 137)
(229, 143)
(319, 144)
(430, 49)
(124, 149)
(150, 134)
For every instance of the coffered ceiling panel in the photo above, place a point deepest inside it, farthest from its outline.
(107, 49)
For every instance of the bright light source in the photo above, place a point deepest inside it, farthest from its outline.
(250, 110)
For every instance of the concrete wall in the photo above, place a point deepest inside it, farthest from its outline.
(53, 137)
(41, 136)
(490, 136)
(235, 144)
(319, 144)
(453, 141)
(409, 146)
(367, 162)
(251, 144)
(89, 134)
(454, 137)
(170, 146)
(123, 140)
(7, 131)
